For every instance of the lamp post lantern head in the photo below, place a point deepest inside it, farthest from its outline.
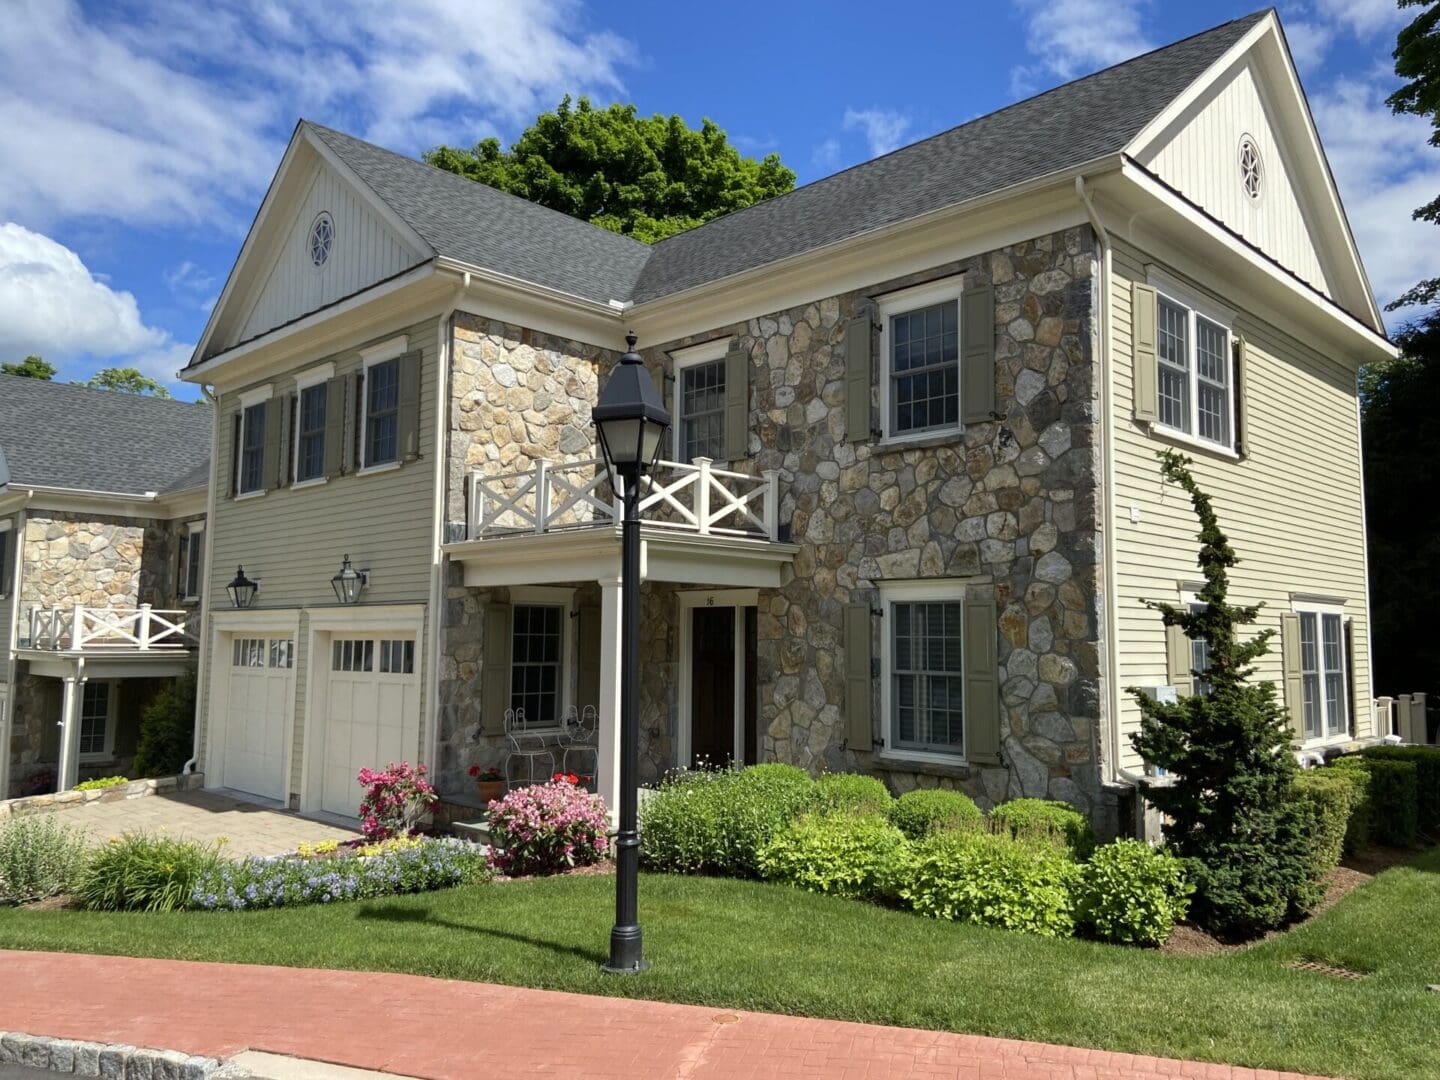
(348, 582)
(242, 590)
(630, 417)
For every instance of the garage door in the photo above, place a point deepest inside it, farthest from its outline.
(372, 714)
(259, 697)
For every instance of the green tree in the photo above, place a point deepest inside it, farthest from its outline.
(646, 177)
(1417, 60)
(1226, 755)
(32, 367)
(129, 380)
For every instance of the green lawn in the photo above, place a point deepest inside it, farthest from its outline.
(755, 946)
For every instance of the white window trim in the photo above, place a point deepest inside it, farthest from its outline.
(315, 376)
(548, 596)
(108, 754)
(376, 354)
(1195, 304)
(249, 398)
(1301, 605)
(192, 529)
(901, 592)
(688, 357)
(899, 303)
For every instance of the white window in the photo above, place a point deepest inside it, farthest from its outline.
(920, 343)
(192, 561)
(923, 661)
(1195, 384)
(1199, 647)
(381, 443)
(97, 721)
(1322, 671)
(310, 434)
(262, 652)
(699, 401)
(252, 449)
(322, 239)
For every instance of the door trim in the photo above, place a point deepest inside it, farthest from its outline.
(690, 599)
(226, 625)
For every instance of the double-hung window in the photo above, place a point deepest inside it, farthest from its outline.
(192, 560)
(699, 406)
(1322, 673)
(310, 434)
(924, 669)
(537, 645)
(1199, 655)
(1196, 395)
(920, 334)
(251, 471)
(96, 720)
(382, 413)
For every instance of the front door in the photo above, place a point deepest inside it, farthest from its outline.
(712, 686)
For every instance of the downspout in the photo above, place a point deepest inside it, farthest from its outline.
(202, 675)
(1114, 771)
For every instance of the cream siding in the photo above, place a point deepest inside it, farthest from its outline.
(365, 251)
(1202, 160)
(1292, 507)
(292, 540)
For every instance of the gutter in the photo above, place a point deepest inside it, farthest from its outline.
(1114, 771)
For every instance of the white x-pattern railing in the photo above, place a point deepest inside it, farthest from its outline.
(694, 497)
(80, 628)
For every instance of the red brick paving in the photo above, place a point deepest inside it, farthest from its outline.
(441, 1029)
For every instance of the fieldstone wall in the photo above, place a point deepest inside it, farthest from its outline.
(98, 561)
(1010, 508)
(34, 735)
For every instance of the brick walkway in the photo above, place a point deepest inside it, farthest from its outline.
(440, 1029)
(206, 816)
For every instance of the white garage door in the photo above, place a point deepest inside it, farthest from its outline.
(372, 714)
(259, 697)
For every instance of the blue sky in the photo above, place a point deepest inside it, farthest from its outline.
(140, 134)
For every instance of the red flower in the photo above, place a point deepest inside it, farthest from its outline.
(474, 770)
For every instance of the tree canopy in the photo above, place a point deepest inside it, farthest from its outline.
(1417, 60)
(32, 367)
(645, 177)
(129, 380)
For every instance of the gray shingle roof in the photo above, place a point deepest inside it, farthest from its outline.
(494, 229)
(63, 436)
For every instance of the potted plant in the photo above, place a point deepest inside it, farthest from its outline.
(489, 781)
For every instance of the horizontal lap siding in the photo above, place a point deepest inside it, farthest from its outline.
(1292, 509)
(292, 541)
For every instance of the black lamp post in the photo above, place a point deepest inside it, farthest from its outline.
(631, 420)
(242, 590)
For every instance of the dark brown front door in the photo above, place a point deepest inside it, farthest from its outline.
(712, 685)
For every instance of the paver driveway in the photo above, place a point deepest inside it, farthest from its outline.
(248, 829)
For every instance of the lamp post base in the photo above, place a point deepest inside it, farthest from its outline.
(634, 969)
(627, 954)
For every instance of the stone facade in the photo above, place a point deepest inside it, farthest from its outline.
(98, 561)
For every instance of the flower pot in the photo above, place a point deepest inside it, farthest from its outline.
(490, 790)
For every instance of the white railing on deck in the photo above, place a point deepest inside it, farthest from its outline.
(696, 498)
(79, 628)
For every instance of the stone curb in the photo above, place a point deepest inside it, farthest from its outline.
(135, 789)
(113, 1061)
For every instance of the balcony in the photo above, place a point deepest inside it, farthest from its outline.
(111, 631)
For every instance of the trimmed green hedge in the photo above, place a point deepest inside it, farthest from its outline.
(1357, 829)
(1040, 819)
(839, 853)
(923, 811)
(1333, 797)
(851, 793)
(1426, 760)
(1393, 799)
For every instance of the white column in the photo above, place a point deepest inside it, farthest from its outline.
(68, 774)
(607, 765)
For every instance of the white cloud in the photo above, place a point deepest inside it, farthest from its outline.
(1309, 42)
(1364, 17)
(178, 113)
(826, 156)
(50, 304)
(1069, 38)
(884, 129)
(189, 277)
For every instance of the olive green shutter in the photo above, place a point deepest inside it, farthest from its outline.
(587, 690)
(858, 338)
(335, 426)
(274, 440)
(495, 671)
(1177, 660)
(977, 354)
(1354, 715)
(282, 413)
(231, 485)
(1144, 336)
(737, 404)
(408, 420)
(859, 735)
(1242, 361)
(982, 683)
(355, 418)
(1290, 667)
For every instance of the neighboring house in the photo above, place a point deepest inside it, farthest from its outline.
(911, 511)
(102, 547)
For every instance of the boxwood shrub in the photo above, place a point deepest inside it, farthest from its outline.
(1040, 819)
(1132, 894)
(990, 880)
(1392, 789)
(844, 854)
(923, 811)
(1333, 797)
(1357, 829)
(1426, 760)
(851, 793)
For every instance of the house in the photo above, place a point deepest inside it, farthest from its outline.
(911, 512)
(102, 541)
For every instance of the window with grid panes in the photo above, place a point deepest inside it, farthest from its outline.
(1174, 355)
(1199, 657)
(536, 646)
(397, 656)
(702, 410)
(252, 448)
(94, 718)
(382, 413)
(353, 654)
(310, 434)
(1322, 673)
(927, 680)
(925, 369)
(1195, 367)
